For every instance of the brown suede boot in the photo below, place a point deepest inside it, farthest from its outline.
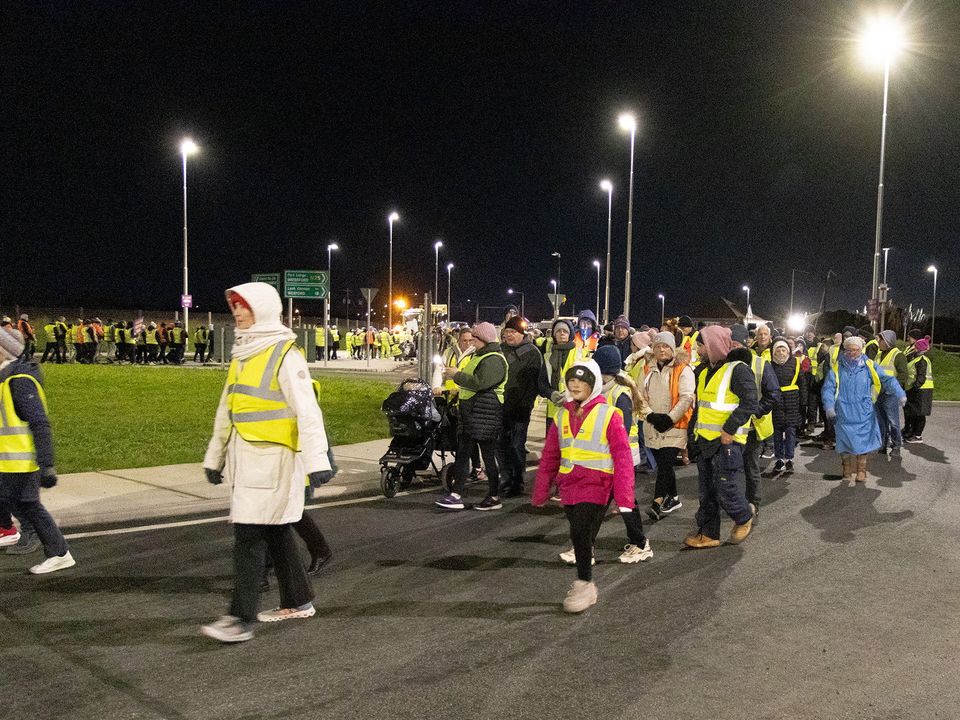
(861, 468)
(848, 464)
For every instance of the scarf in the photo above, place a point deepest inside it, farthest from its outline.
(258, 337)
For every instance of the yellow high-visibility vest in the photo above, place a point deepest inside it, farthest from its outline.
(928, 380)
(716, 403)
(888, 360)
(634, 435)
(459, 363)
(466, 394)
(258, 410)
(762, 425)
(152, 337)
(558, 382)
(812, 353)
(18, 453)
(793, 383)
(588, 448)
(871, 366)
(320, 337)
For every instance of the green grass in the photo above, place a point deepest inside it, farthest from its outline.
(946, 375)
(107, 417)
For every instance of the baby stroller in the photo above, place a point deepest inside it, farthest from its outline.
(420, 427)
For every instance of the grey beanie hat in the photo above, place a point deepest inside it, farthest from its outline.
(740, 334)
(666, 338)
(889, 337)
(11, 344)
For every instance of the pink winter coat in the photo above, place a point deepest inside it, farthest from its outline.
(583, 485)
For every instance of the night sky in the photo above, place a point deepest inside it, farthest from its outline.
(488, 125)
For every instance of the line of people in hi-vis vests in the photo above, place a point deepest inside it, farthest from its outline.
(398, 344)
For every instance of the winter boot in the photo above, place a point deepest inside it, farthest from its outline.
(861, 468)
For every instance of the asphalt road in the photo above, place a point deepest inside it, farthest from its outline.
(844, 603)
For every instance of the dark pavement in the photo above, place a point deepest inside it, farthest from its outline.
(844, 603)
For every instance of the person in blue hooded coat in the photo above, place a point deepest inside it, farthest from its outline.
(849, 392)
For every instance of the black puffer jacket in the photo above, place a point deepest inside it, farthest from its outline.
(787, 410)
(481, 416)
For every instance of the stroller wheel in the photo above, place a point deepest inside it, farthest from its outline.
(389, 481)
(446, 482)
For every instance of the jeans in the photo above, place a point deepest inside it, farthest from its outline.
(20, 494)
(720, 476)
(751, 469)
(248, 564)
(666, 485)
(784, 442)
(465, 450)
(888, 415)
(512, 455)
(585, 520)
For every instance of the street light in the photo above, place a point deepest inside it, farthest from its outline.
(883, 295)
(608, 186)
(449, 308)
(556, 284)
(628, 123)
(596, 264)
(663, 303)
(746, 289)
(880, 41)
(436, 268)
(391, 219)
(326, 301)
(187, 147)
(933, 311)
(556, 297)
(511, 291)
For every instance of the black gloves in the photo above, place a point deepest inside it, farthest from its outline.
(48, 477)
(213, 476)
(321, 477)
(661, 421)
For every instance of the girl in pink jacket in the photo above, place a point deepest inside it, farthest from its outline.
(587, 455)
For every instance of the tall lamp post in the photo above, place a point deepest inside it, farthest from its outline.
(511, 291)
(629, 123)
(436, 269)
(746, 289)
(187, 147)
(608, 186)
(596, 264)
(663, 303)
(556, 296)
(326, 301)
(391, 219)
(556, 283)
(883, 294)
(881, 40)
(933, 312)
(449, 307)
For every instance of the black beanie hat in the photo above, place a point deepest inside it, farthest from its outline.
(580, 373)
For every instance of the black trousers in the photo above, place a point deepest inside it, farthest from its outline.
(20, 494)
(200, 349)
(249, 544)
(913, 425)
(585, 520)
(751, 469)
(461, 465)
(512, 455)
(666, 485)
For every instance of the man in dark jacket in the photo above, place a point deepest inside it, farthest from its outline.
(523, 361)
(720, 436)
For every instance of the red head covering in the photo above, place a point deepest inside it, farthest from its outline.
(235, 298)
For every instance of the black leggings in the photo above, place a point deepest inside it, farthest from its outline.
(585, 520)
(666, 485)
(465, 451)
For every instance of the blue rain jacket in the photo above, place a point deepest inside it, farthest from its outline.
(857, 429)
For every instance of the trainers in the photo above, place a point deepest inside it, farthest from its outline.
(581, 595)
(227, 629)
(556, 497)
(699, 541)
(655, 511)
(634, 554)
(52, 564)
(570, 557)
(9, 536)
(490, 502)
(767, 453)
(778, 466)
(788, 466)
(278, 614)
(450, 502)
(914, 439)
(740, 532)
(28, 543)
(895, 452)
(670, 504)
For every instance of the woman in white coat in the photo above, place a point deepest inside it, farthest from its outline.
(268, 437)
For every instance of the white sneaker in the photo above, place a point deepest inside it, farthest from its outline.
(570, 557)
(580, 596)
(278, 614)
(9, 536)
(227, 629)
(633, 554)
(52, 564)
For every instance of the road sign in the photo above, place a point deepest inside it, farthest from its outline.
(369, 294)
(186, 301)
(313, 284)
(268, 278)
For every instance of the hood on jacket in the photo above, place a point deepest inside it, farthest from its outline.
(741, 354)
(264, 302)
(594, 369)
(587, 315)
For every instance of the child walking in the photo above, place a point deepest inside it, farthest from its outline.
(587, 455)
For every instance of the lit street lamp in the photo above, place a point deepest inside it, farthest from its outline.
(326, 301)
(511, 291)
(608, 186)
(436, 269)
(933, 311)
(596, 264)
(556, 297)
(556, 283)
(449, 308)
(662, 305)
(880, 42)
(629, 123)
(187, 147)
(391, 219)
(883, 295)
(746, 289)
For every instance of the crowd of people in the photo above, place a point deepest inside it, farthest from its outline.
(359, 343)
(622, 401)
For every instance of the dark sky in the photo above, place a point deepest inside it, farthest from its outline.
(488, 125)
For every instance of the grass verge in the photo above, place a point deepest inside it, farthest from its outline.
(946, 375)
(107, 417)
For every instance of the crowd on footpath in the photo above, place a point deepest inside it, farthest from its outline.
(359, 343)
(620, 402)
(123, 342)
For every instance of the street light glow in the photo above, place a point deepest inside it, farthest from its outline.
(393, 217)
(449, 266)
(438, 244)
(660, 296)
(188, 147)
(796, 323)
(332, 246)
(745, 288)
(932, 268)
(882, 38)
(606, 185)
(554, 283)
(596, 264)
(627, 122)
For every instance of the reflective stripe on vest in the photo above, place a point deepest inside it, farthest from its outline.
(762, 425)
(152, 337)
(589, 448)
(812, 353)
(18, 454)
(471, 366)
(793, 383)
(875, 388)
(458, 363)
(257, 407)
(888, 360)
(716, 403)
(928, 379)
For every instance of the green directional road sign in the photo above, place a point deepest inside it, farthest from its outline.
(268, 278)
(313, 284)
